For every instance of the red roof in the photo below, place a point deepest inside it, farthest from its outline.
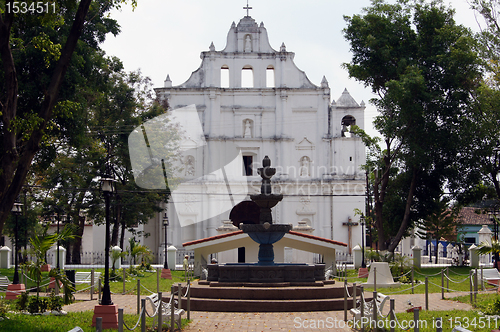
(221, 236)
(473, 216)
(216, 237)
(318, 238)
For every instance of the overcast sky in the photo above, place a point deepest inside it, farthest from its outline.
(166, 37)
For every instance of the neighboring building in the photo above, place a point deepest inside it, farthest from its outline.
(254, 97)
(471, 220)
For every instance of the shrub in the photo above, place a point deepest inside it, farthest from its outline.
(37, 305)
(55, 303)
(22, 301)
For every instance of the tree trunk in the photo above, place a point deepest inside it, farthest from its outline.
(15, 168)
(77, 245)
(406, 218)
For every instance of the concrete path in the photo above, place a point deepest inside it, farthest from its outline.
(281, 321)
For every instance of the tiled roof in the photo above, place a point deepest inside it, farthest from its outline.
(211, 238)
(473, 216)
(221, 236)
(318, 238)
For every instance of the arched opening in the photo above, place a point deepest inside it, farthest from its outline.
(347, 122)
(270, 83)
(224, 77)
(247, 77)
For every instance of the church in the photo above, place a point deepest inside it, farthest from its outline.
(247, 101)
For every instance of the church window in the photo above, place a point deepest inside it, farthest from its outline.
(247, 165)
(247, 77)
(224, 77)
(270, 77)
(347, 122)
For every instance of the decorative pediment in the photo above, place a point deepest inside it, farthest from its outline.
(305, 144)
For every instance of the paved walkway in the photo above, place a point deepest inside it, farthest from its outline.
(279, 321)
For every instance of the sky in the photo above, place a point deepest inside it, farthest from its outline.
(166, 37)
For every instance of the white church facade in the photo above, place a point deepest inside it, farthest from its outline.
(252, 100)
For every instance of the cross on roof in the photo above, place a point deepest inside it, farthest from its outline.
(247, 8)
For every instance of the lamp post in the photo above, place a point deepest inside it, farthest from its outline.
(16, 210)
(362, 222)
(107, 187)
(59, 219)
(493, 218)
(165, 224)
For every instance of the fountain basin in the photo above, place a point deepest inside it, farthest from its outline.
(256, 273)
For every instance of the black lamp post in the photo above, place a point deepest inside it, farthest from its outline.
(493, 218)
(107, 187)
(362, 222)
(16, 210)
(59, 219)
(430, 250)
(165, 224)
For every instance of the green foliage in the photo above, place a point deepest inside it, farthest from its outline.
(487, 248)
(37, 304)
(39, 247)
(136, 249)
(55, 303)
(400, 266)
(22, 301)
(424, 69)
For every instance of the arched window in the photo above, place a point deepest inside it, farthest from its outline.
(224, 77)
(347, 122)
(270, 83)
(247, 77)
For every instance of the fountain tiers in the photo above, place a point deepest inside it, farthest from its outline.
(265, 234)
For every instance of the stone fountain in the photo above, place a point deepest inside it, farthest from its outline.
(265, 233)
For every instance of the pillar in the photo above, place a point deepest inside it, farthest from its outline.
(5, 257)
(474, 256)
(118, 263)
(417, 256)
(357, 254)
(171, 256)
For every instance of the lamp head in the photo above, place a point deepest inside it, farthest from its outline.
(107, 184)
(165, 219)
(362, 219)
(17, 208)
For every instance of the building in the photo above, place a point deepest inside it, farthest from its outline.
(251, 101)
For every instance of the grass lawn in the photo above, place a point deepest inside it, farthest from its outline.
(27, 323)
(457, 282)
(473, 320)
(148, 281)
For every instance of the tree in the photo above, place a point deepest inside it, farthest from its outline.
(423, 68)
(38, 55)
(441, 223)
(484, 160)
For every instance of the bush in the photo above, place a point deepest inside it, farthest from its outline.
(55, 303)
(22, 301)
(37, 305)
